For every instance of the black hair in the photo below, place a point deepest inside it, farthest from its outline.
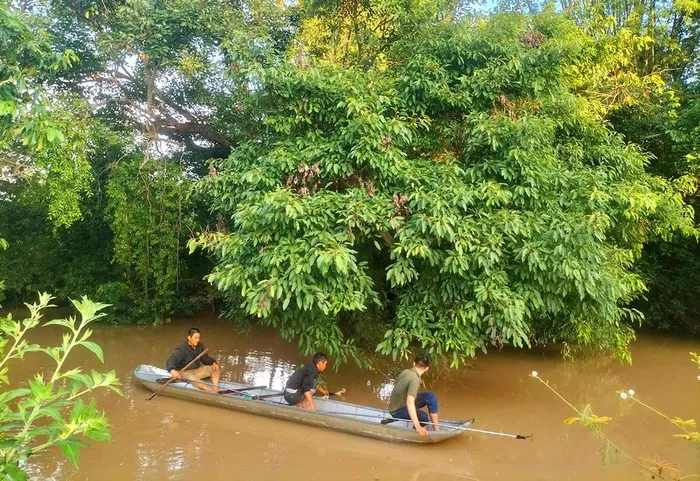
(193, 331)
(422, 360)
(320, 356)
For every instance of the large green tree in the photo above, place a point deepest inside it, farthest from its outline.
(167, 68)
(160, 81)
(43, 135)
(665, 42)
(467, 188)
(391, 168)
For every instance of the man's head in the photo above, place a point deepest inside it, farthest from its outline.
(421, 363)
(193, 336)
(321, 361)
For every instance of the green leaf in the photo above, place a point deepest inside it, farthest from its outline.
(59, 322)
(89, 310)
(40, 390)
(14, 472)
(15, 393)
(81, 378)
(10, 427)
(70, 449)
(608, 454)
(94, 348)
(52, 411)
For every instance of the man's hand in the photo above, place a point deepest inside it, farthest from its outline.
(411, 406)
(215, 366)
(174, 374)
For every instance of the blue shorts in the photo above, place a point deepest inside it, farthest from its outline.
(423, 399)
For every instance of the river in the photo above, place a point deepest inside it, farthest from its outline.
(168, 439)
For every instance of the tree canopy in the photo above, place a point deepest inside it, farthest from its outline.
(468, 191)
(384, 175)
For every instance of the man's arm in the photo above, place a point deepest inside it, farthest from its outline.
(175, 358)
(411, 406)
(206, 359)
(310, 399)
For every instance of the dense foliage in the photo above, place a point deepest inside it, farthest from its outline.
(499, 206)
(387, 174)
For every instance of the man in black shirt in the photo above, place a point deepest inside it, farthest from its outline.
(301, 386)
(205, 367)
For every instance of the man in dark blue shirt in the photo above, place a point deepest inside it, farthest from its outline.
(302, 385)
(202, 369)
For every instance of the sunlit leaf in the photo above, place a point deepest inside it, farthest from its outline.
(683, 423)
(94, 348)
(58, 322)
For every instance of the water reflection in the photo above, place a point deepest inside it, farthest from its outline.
(383, 390)
(264, 370)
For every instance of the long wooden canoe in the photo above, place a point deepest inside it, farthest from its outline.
(331, 414)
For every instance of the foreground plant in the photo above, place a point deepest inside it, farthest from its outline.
(683, 424)
(656, 468)
(50, 410)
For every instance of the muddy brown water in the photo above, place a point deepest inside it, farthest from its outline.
(169, 439)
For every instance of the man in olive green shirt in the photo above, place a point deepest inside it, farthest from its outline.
(406, 402)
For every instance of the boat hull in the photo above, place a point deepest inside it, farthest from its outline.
(331, 414)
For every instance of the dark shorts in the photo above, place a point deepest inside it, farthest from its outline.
(294, 398)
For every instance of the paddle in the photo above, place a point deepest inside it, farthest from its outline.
(183, 369)
(337, 393)
(462, 428)
(449, 426)
(223, 391)
(240, 391)
(495, 433)
(265, 396)
(275, 394)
